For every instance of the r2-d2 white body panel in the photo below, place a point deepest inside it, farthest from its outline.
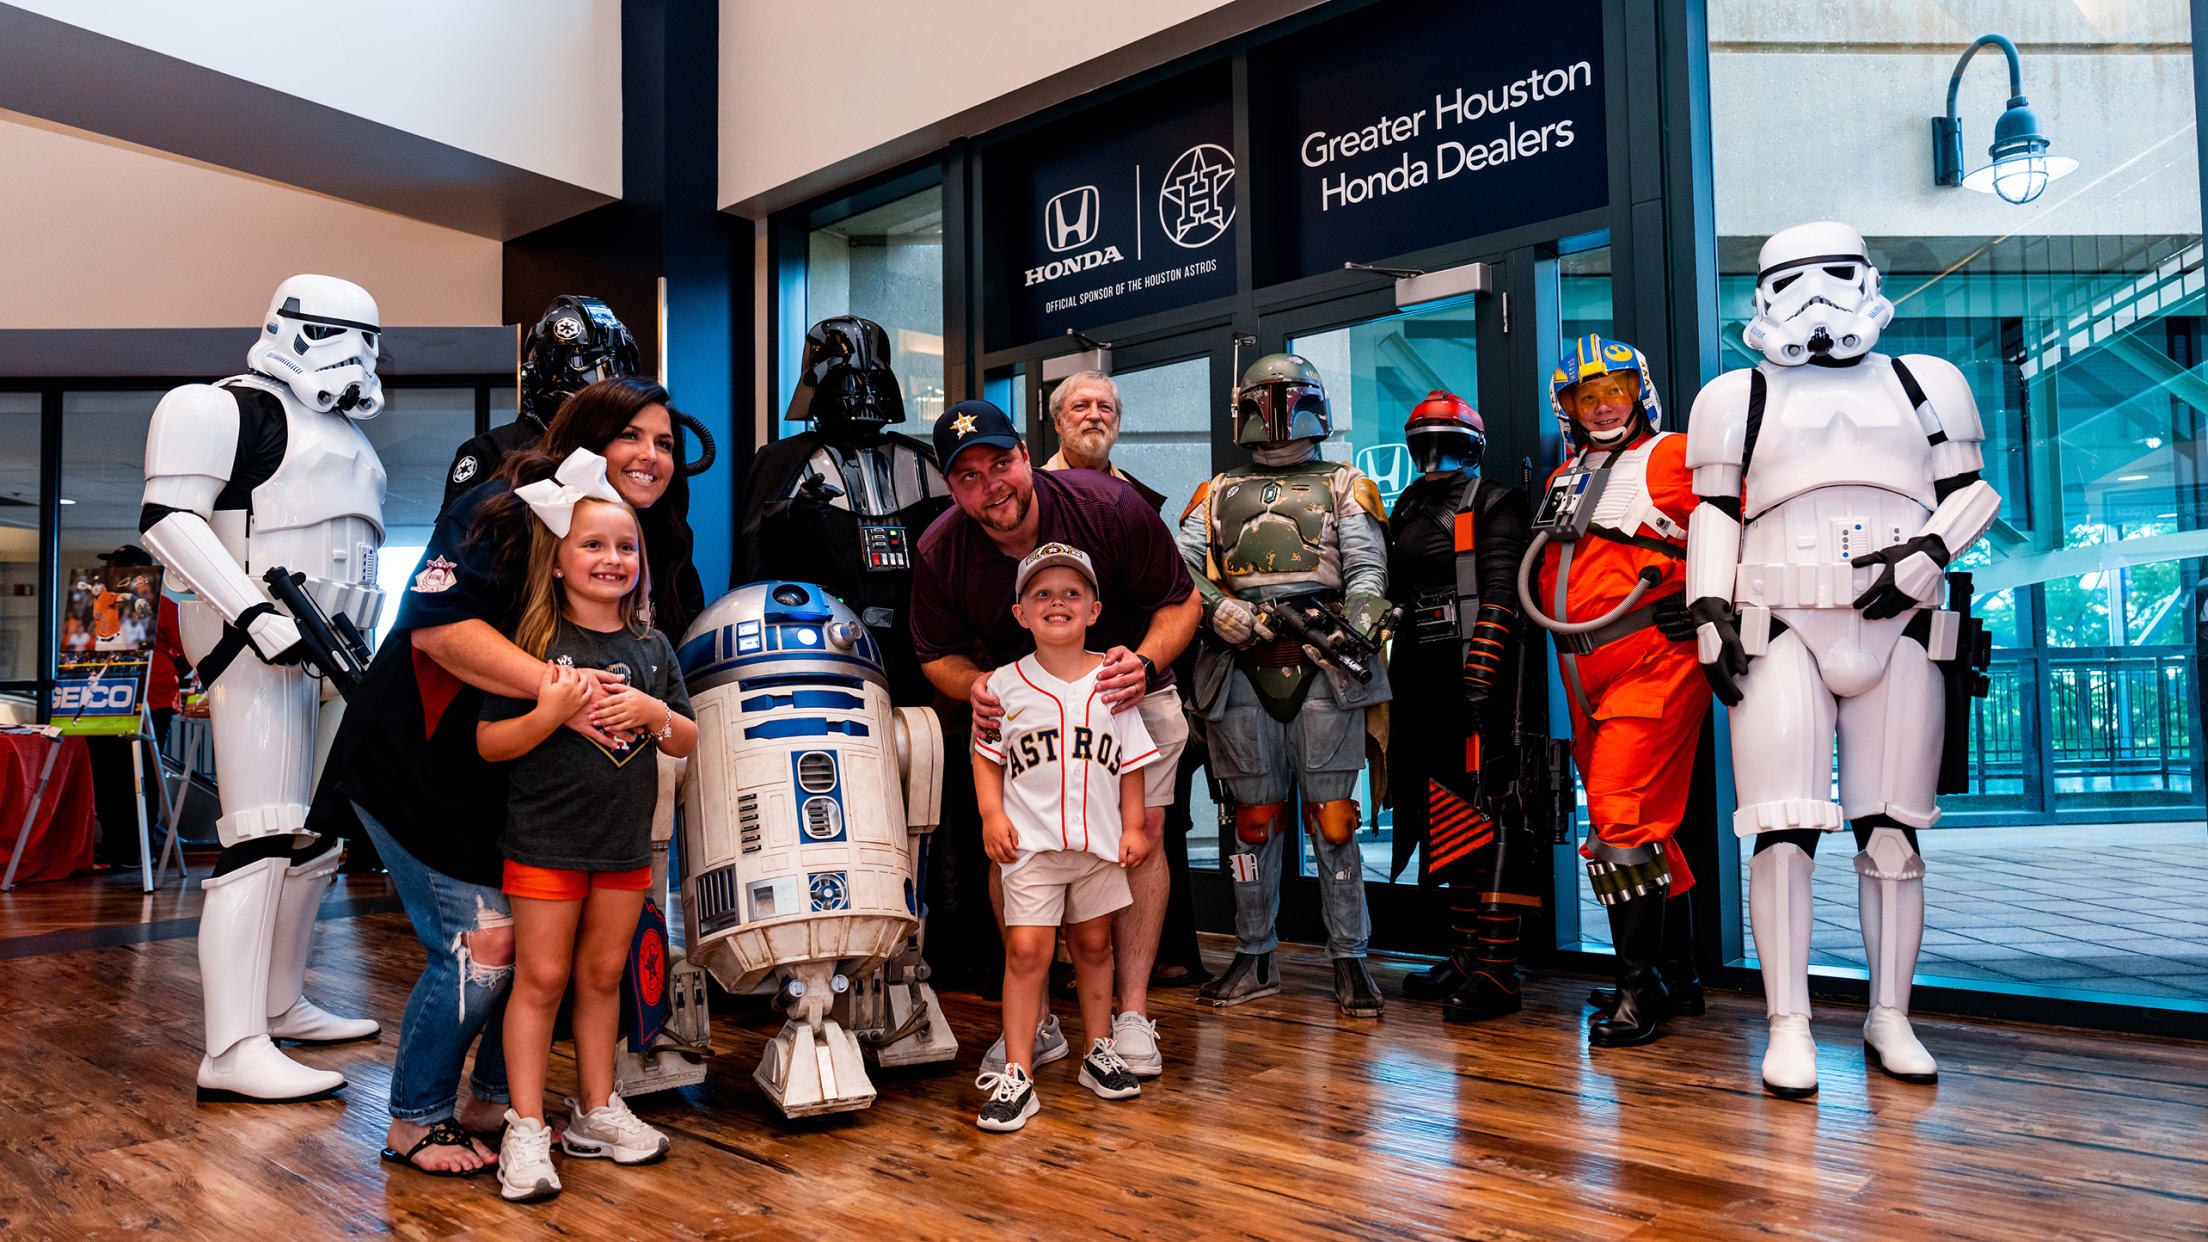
(798, 857)
(796, 844)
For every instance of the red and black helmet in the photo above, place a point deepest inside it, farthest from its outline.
(1445, 433)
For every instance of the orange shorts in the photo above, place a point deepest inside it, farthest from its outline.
(552, 884)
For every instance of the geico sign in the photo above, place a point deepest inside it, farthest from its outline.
(1073, 263)
(95, 696)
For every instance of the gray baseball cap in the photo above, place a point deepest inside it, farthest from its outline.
(1050, 554)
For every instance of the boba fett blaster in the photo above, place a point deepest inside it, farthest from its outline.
(1311, 620)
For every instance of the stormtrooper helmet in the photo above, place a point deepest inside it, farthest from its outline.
(1817, 297)
(319, 340)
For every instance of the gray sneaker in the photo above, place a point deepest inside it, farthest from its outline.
(1135, 1038)
(1050, 1045)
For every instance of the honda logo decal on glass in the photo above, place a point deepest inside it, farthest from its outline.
(1389, 468)
(1069, 220)
(1196, 202)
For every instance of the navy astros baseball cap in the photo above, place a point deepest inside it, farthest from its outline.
(970, 423)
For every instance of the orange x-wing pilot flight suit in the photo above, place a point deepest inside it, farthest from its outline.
(1644, 693)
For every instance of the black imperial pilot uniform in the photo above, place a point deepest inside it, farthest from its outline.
(1453, 766)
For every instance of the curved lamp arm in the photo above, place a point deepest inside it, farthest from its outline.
(2016, 71)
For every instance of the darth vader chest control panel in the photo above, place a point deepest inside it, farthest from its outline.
(884, 546)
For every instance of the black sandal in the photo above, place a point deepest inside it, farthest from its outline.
(446, 1133)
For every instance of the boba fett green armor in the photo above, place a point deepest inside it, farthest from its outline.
(1288, 531)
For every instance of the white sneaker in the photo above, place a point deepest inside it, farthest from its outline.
(525, 1169)
(611, 1131)
(1894, 1048)
(1790, 1063)
(1012, 1100)
(1135, 1038)
(1050, 1045)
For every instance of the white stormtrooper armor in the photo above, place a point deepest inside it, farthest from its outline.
(263, 470)
(1837, 485)
(804, 812)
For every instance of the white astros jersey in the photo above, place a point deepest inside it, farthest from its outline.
(1063, 752)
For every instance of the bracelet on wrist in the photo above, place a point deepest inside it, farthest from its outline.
(666, 726)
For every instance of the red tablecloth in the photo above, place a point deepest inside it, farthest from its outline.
(61, 835)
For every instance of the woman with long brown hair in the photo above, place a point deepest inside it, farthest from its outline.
(406, 755)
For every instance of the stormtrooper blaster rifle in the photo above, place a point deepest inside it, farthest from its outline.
(1310, 620)
(1966, 682)
(334, 649)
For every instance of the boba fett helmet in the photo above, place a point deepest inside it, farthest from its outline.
(1281, 399)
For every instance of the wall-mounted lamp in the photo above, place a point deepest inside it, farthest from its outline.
(2021, 167)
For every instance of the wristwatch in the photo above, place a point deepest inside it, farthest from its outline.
(1149, 670)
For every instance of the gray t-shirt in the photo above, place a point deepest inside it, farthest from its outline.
(572, 804)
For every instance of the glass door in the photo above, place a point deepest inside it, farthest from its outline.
(1379, 361)
(1168, 394)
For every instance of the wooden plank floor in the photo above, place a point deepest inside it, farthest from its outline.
(1277, 1120)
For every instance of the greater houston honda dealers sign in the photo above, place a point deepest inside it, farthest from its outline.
(1403, 126)
(1107, 218)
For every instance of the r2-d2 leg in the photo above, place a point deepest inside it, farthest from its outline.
(895, 1009)
(261, 904)
(677, 1056)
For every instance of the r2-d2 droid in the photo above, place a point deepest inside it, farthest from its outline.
(804, 812)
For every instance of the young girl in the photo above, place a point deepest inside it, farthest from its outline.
(577, 839)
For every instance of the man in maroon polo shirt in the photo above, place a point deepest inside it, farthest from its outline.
(962, 624)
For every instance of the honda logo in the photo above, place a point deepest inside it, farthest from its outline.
(1389, 468)
(1069, 220)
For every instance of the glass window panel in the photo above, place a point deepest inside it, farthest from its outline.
(885, 265)
(415, 437)
(103, 478)
(2076, 320)
(20, 440)
(1584, 303)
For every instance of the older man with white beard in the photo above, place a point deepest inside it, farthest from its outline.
(1085, 412)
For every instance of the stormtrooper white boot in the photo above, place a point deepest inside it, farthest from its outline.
(237, 930)
(1779, 912)
(1890, 896)
(290, 1014)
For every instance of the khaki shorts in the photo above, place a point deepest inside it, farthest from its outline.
(1063, 886)
(1168, 729)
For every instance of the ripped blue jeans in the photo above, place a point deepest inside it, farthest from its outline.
(457, 997)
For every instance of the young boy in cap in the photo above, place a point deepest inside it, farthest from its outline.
(1056, 786)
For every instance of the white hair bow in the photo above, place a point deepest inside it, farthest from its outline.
(581, 477)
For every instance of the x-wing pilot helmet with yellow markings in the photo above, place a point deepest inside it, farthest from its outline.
(1604, 367)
